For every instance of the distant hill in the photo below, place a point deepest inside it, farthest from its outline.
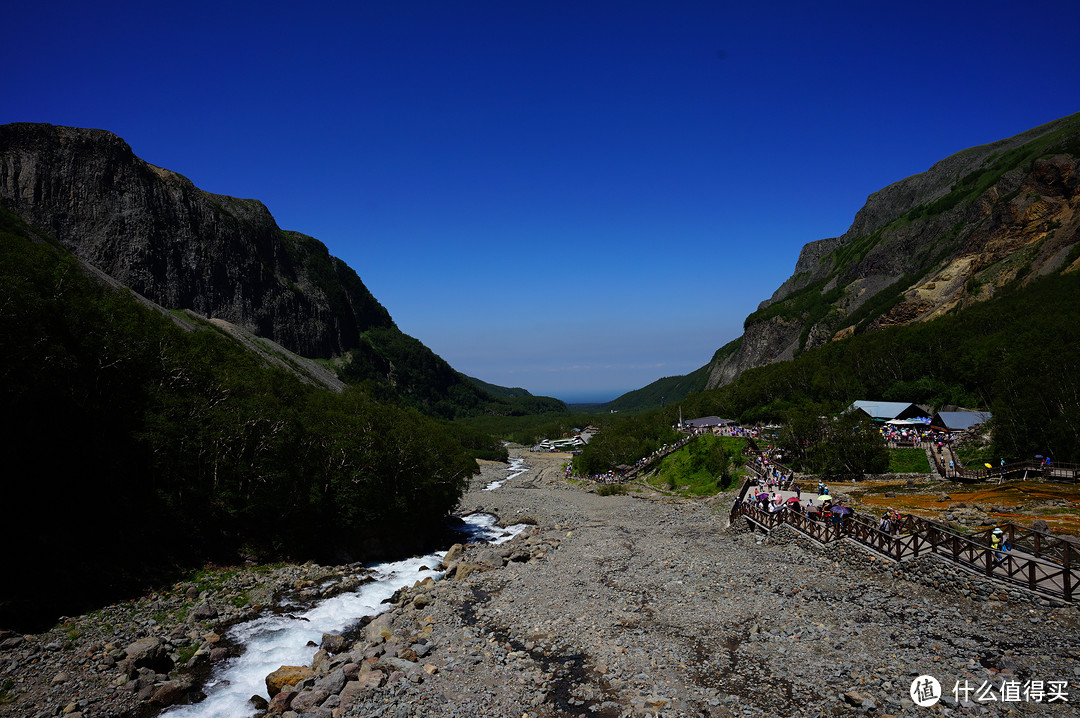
(500, 391)
(989, 217)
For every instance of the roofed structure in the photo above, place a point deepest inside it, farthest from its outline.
(889, 410)
(706, 422)
(961, 420)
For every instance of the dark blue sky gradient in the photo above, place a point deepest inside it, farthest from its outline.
(573, 197)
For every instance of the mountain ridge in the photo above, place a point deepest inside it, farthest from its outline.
(227, 262)
(932, 243)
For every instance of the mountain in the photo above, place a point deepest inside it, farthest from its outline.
(989, 217)
(223, 260)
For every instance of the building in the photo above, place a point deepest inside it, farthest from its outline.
(884, 411)
(960, 420)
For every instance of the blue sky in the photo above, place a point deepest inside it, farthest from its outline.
(573, 197)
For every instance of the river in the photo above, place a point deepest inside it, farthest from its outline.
(276, 640)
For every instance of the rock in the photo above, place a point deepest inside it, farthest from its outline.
(354, 692)
(464, 569)
(259, 703)
(1040, 525)
(371, 679)
(411, 670)
(204, 611)
(286, 676)
(320, 662)
(333, 682)
(333, 643)
(453, 555)
(281, 702)
(149, 653)
(307, 700)
(379, 628)
(490, 557)
(170, 692)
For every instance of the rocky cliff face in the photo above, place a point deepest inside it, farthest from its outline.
(155, 232)
(977, 221)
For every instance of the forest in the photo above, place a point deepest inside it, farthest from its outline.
(134, 447)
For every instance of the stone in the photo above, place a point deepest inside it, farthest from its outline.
(465, 569)
(280, 702)
(307, 700)
(333, 643)
(204, 611)
(453, 555)
(170, 692)
(379, 629)
(149, 653)
(370, 679)
(353, 693)
(333, 682)
(286, 676)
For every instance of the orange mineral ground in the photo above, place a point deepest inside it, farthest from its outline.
(1018, 502)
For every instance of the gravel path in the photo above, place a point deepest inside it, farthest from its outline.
(642, 604)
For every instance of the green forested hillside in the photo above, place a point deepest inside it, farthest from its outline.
(671, 388)
(133, 446)
(1017, 355)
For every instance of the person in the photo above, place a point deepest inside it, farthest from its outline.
(798, 491)
(1000, 544)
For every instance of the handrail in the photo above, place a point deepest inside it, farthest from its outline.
(1045, 573)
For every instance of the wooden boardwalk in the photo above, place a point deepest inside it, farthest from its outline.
(1038, 561)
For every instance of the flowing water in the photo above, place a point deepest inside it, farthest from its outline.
(516, 468)
(279, 640)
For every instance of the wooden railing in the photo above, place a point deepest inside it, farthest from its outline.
(1037, 561)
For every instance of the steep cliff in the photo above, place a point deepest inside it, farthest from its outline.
(939, 241)
(155, 232)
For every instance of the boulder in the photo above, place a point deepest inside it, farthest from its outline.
(149, 653)
(286, 676)
(369, 679)
(204, 611)
(453, 555)
(170, 692)
(353, 693)
(333, 682)
(333, 643)
(464, 569)
(379, 628)
(306, 701)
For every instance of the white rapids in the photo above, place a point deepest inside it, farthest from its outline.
(516, 468)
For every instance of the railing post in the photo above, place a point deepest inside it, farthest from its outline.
(1066, 575)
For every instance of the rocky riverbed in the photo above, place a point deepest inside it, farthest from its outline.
(606, 606)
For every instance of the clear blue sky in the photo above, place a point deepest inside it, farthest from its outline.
(574, 197)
